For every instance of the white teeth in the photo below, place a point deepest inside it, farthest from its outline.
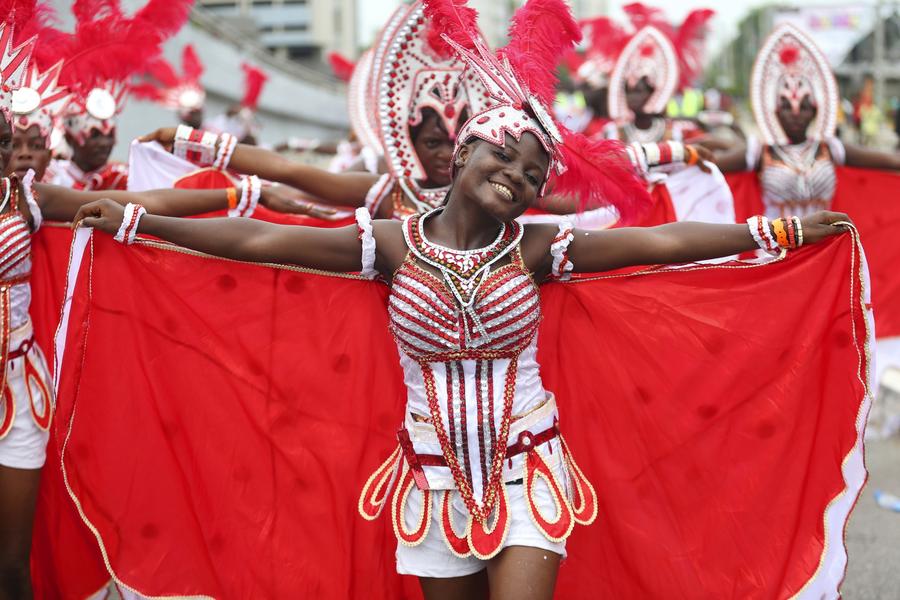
(503, 190)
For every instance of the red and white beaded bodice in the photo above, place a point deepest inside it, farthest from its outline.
(797, 179)
(467, 345)
(15, 254)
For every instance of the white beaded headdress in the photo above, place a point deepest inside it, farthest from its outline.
(790, 66)
(416, 74)
(96, 109)
(648, 54)
(39, 100)
(520, 81)
(13, 66)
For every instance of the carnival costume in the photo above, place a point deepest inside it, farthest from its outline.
(304, 385)
(26, 401)
(784, 178)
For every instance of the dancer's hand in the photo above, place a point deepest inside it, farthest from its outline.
(818, 226)
(705, 155)
(286, 199)
(165, 136)
(103, 214)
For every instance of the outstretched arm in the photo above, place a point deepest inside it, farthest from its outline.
(240, 239)
(339, 189)
(857, 156)
(672, 243)
(61, 204)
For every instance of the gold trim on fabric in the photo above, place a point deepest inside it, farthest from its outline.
(87, 522)
(863, 374)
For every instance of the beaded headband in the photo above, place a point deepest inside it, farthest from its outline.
(648, 54)
(97, 109)
(514, 110)
(790, 65)
(13, 66)
(359, 104)
(39, 100)
(520, 81)
(414, 76)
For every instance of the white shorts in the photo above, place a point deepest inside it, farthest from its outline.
(432, 558)
(25, 444)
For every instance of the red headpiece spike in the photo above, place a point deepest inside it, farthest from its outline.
(254, 80)
(542, 31)
(191, 66)
(341, 66)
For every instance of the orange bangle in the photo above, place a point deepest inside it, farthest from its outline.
(780, 233)
(232, 198)
(693, 155)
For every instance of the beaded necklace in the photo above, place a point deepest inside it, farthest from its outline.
(463, 270)
(655, 133)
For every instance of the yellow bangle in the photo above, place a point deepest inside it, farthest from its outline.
(781, 235)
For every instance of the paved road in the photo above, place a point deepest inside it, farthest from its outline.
(873, 537)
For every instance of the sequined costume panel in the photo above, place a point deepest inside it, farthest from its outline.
(798, 179)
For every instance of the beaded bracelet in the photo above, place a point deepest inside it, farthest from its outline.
(780, 233)
(652, 152)
(693, 156)
(227, 142)
(799, 227)
(129, 227)
(195, 145)
(791, 234)
(231, 194)
(250, 192)
(638, 157)
(759, 229)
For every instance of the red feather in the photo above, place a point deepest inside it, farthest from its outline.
(191, 67)
(542, 31)
(146, 91)
(254, 79)
(341, 66)
(690, 42)
(109, 46)
(599, 173)
(453, 19)
(161, 70)
(608, 38)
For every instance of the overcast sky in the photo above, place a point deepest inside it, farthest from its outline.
(728, 13)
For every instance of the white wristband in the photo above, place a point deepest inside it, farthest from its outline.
(200, 151)
(251, 188)
(130, 220)
(677, 151)
(227, 143)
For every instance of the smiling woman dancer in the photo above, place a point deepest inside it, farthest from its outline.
(464, 309)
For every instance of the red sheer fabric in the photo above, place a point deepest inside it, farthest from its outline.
(221, 419)
(870, 198)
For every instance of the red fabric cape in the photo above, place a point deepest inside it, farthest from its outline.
(220, 418)
(870, 198)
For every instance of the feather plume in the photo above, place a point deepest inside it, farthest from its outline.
(109, 46)
(690, 42)
(341, 65)
(163, 71)
(542, 31)
(453, 19)
(254, 80)
(146, 91)
(191, 66)
(599, 173)
(607, 38)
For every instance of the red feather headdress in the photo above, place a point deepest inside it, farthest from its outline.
(341, 66)
(254, 80)
(178, 92)
(521, 81)
(106, 48)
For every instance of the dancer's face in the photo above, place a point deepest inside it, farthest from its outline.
(518, 167)
(434, 147)
(5, 144)
(29, 151)
(94, 152)
(636, 96)
(795, 122)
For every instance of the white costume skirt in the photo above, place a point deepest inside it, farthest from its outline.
(26, 405)
(433, 558)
